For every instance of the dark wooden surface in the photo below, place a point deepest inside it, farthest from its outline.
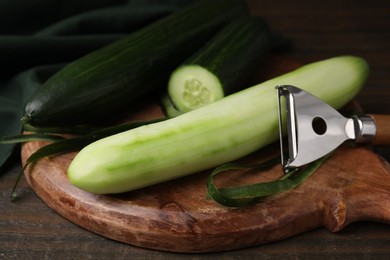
(319, 29)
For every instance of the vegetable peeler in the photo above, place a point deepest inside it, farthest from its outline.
(314, 128)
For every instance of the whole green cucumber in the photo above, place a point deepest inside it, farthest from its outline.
(223, 131)
(116, 76)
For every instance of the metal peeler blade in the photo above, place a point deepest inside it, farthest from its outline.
(314, 128)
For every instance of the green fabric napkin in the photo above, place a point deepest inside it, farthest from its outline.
(37, 37)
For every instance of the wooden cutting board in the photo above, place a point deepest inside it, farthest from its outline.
(353, 185)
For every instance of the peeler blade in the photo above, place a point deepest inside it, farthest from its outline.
(313, 127)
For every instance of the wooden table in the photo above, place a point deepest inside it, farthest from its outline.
(318, 29)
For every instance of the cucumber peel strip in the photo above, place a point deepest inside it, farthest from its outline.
(29, 137)
(62, 145)
(78, 130)
(244, 195)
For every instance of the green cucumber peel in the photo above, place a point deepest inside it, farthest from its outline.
(29, 137)
(77, 130)
(245, 195)
(62, 145)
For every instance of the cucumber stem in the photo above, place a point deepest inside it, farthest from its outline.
(26, 119)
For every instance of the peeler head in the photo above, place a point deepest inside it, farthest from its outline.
(313, 127)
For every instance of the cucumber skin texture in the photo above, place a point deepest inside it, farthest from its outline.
(234, 53)
(204, 138)
(116, 76)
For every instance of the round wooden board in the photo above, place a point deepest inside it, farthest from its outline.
(176, 216)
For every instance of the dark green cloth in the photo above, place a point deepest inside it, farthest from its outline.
(37, 37)
(38, 32)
